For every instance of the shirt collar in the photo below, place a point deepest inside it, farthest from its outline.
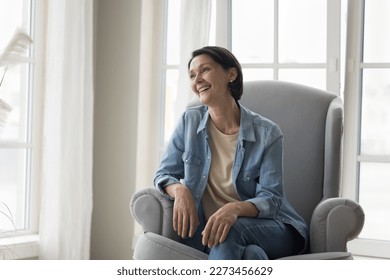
(247, 131)
(203, 123)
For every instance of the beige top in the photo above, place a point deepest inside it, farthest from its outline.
(220, 189)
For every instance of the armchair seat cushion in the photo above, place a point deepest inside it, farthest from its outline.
(152, 246)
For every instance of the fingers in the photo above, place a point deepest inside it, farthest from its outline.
(206, 235)
(179, 223)
(215, 236)
(183, 228)
(211, 234)
(193, 225)
(224, 234)
(185, 221)
(218, 227)
(174, 220)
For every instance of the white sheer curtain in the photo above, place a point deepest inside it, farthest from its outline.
(149, 96)
(66, 208)
(194, 33)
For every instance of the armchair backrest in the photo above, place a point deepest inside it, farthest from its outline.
(311, 121)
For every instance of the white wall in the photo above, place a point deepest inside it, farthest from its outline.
(117, 36)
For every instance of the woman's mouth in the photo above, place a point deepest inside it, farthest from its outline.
(203, 89)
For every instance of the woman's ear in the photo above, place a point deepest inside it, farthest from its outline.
(233, 74)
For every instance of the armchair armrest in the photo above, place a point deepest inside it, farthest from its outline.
(153, 212)
(335, 221)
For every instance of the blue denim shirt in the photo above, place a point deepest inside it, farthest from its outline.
(257, 170)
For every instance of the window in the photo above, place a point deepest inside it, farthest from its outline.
(273, 39)
(288, 40)
(368, 122)
(18, 142)
(297, 41)
(171, 64)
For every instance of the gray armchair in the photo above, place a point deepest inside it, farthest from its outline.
(312, 123)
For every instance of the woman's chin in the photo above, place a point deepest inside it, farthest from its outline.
(203, 98)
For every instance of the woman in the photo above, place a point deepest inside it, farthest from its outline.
(223, 169)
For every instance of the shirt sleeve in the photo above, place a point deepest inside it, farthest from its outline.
(171, 169)
(269, 189)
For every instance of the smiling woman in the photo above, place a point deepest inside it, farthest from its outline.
(222, 215)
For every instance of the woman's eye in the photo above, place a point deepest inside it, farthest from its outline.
(205, 69)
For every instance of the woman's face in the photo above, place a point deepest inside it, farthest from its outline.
(209, 80)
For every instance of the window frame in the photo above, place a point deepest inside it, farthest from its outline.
(223, 37)
(353, 117)
(37, 31)
(333, 54)
(23, 244)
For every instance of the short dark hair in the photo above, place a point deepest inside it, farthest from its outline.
(227, 60)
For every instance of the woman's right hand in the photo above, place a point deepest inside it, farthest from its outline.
(185, 218)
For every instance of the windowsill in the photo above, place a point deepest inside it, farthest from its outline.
(19, 247)
(367, 248)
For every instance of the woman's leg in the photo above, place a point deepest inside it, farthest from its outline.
(274, 238)
(254, 252)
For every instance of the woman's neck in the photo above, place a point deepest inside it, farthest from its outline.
(226, 117)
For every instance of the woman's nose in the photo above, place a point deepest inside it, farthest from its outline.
(198, 79)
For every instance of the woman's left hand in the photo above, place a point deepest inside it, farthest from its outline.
(219, 224)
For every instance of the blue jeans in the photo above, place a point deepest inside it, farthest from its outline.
(253, 238)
